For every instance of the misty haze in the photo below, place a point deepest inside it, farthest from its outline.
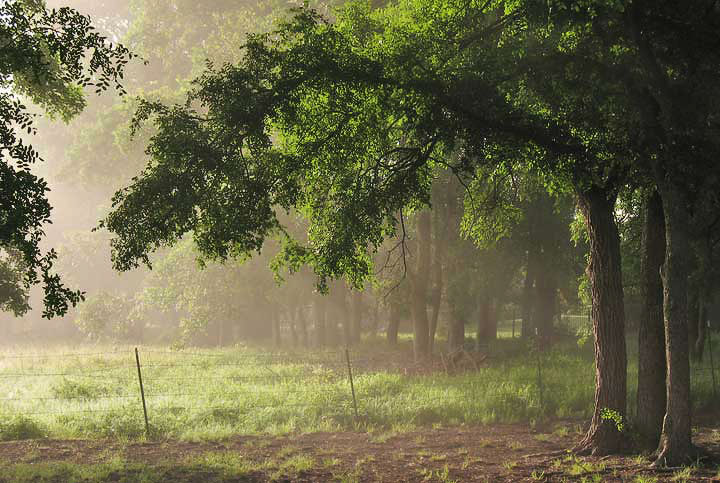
(365, 240)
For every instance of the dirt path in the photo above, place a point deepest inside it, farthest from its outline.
(483, 453)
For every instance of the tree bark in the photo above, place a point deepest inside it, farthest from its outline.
(277, 340)
(651, 334)
(456, 332)
(393, 324)
(440, 246)
(302, 322)
(546, 291)
(421, 325)
(692, 318)
(483, 321)
(608, 318)
(320, 322)
(355, 326)
(675, 441)
(528, 329)
(702, 328)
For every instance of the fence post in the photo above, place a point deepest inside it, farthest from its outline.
(712, 364)
(352, 386)
(142, 393)
(513, 329)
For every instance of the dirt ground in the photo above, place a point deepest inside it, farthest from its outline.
(482, 453)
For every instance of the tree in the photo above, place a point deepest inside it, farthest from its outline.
(349, 122)
(47, 57)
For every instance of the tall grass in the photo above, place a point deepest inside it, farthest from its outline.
(216, 393)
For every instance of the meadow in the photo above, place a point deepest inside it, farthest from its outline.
(211, 394)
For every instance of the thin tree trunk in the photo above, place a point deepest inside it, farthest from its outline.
(492, 321)
(456, 332)
(545, 304)
(393, 324)
(483, 317)
(320, 320)
(357, 306)
(421, 325)
(375, 320)
(435, 303)
(608, 318)
(675, 441)
(277, 340)
(440, 246)
(528, 329)
(293, 328)
(302, 322)
(651, 335)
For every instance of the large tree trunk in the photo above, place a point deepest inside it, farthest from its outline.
(608, 318)
(693, 310)
(651, 336)
(393, 324)
(421, 325)
(702, 328)
(675, 442)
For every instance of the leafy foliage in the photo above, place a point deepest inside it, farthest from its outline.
(48, 55)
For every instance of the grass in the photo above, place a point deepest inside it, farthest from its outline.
(216, 393)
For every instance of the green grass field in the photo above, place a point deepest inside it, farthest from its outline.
(93, 391)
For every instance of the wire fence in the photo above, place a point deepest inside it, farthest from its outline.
(150, 381)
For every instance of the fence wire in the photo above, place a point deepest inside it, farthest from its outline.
(190, 381)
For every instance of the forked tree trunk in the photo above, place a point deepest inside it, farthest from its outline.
(421, 325)
(651, 335)
(393, 324)
(608, 319)
(675, 442)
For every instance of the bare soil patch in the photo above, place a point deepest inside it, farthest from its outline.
(502, 452)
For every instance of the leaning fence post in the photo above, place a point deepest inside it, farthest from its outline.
(142, 392)
(352, 386)
(712, 364)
